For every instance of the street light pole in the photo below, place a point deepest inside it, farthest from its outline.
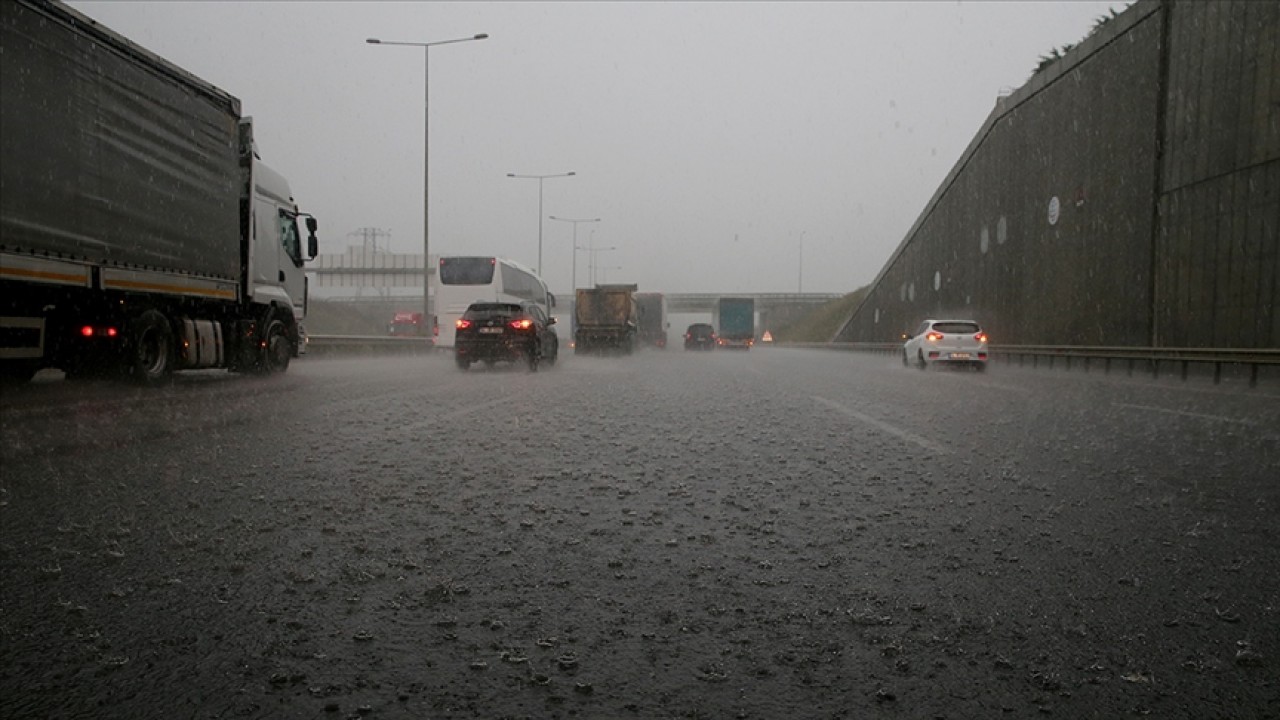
(800, 274)
(575, 222)
(591, 259)
(540, 178)
(426, 157)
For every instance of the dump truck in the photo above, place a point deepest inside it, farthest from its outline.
(606, 319)
(651, 320)
(140, 232)
(736, 318)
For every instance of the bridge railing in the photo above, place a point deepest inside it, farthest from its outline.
(1146, 359)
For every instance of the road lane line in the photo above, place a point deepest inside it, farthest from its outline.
(884, 426)
(1202, 416)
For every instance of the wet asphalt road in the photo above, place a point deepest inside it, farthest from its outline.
(779, 533)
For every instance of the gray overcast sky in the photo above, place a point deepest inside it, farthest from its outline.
(707, 136)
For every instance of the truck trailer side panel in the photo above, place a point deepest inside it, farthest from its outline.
(142, 156)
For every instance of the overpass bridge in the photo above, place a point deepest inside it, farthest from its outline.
(706, 302)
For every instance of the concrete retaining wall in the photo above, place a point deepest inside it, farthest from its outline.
(1126, 195)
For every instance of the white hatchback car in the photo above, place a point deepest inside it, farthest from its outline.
(960, 342)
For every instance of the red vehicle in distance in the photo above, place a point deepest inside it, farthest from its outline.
(407, 324)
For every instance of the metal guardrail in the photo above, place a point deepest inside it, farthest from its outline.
(1253, 358)
(1150, 359)
(368, 343)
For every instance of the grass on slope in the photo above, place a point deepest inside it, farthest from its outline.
(824, 321)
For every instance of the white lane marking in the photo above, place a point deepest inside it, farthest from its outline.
(883, 426)
(1183, 413)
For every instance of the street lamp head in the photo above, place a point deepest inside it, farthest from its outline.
(572, 173)
(374, 41)
(511, 174)
(481, 36)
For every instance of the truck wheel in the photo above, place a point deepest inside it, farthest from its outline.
(276, 349)
(17, 373)
(150, 355)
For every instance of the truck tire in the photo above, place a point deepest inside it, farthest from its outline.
(17, 372)
(149, 356)
(276, 349)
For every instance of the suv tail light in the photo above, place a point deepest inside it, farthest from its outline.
(522, 324)
(462, 324)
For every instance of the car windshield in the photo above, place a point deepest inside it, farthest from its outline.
(887, 360)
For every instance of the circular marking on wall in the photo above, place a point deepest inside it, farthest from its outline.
(984, 241)
(1054, 209)
(937, 280)
(1002, 230)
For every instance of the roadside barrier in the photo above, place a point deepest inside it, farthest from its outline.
(1143, 359)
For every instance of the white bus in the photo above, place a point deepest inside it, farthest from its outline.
(462, 280)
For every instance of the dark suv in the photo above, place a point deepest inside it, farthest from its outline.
(700, 336)
(491, 331)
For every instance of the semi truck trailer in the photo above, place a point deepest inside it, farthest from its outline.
(651, 318)
(737, 322)
(140, 232)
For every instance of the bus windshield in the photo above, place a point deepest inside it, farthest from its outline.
(467, 270)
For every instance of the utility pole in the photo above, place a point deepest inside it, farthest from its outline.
(369, 236)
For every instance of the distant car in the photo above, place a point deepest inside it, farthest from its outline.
(700, 336)
(954, 342)
(491, 332)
